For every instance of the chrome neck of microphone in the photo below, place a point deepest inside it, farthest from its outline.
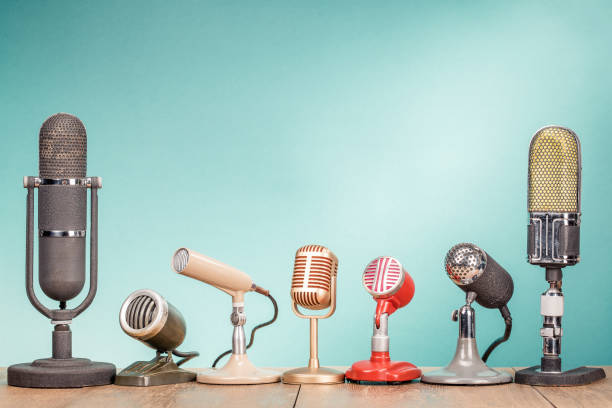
(466, 317)
(551, 309)
(380, 335)
(238, 319)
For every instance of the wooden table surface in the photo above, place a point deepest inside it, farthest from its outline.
(414, 394)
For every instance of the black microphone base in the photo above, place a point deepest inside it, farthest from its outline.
(577, 376)
(61, 373)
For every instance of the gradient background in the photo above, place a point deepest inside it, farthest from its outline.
(244, 131)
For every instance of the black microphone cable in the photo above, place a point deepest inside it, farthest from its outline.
(187, 355)
(508, 321)
(259, 326)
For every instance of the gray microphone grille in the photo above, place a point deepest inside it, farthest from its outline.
(62, 147)
(140, 312)
(464, 263)
(180, 260)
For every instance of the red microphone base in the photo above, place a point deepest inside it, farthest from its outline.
(380, 369)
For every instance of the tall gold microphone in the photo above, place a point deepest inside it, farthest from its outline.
(553, 242)
(314, 287)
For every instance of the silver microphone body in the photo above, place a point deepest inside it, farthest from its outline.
(62, 206)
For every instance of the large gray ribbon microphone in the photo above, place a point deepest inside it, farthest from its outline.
(62, 206)
(62, 219)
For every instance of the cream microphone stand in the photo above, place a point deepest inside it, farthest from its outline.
(238, 370)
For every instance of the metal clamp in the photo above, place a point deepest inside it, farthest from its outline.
(56, 322)
(63, 234)
(88, 182)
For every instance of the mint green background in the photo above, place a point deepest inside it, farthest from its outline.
(246, 129)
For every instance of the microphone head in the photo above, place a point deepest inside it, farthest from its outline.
(208, 270)
(473, 270)
(388, 282)
(62, 147)
(384, 276)
(314, 268)
(554, 171)
(146, 316)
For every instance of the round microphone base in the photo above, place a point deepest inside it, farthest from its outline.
(306, 375)
(380, 369)
(238, 370)
(577, 376)
(467, 376)
(61, 373)
(467, 368)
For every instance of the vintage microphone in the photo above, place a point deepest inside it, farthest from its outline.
(62, 219)
(392, 287)
(146, 316)
(553, 242)
(314, 287)
(486, 282)
(238, 370)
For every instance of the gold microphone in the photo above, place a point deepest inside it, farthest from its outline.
(553, 242)
(313, 287)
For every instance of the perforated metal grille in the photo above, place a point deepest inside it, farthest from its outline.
(62, 147)
(464, 263)
(180, 260)
(383, 275)
(141, 312)
(554, 171)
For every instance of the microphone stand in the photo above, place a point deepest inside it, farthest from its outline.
(239, 369)
(314, 373)
(61, 370)
(549, 371)
(467, 368)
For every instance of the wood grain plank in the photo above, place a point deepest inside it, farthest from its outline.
(420, 395)
(181, 396)
(597, 394)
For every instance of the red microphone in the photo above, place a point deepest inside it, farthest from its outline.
(391, 286)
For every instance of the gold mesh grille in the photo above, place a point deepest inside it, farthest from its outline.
(554, 171)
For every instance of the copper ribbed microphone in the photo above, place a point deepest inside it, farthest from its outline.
(313, 287)
(313, 270)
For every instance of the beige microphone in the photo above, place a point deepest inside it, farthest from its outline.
(313, 287)
(208, 270)
(238, 370)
